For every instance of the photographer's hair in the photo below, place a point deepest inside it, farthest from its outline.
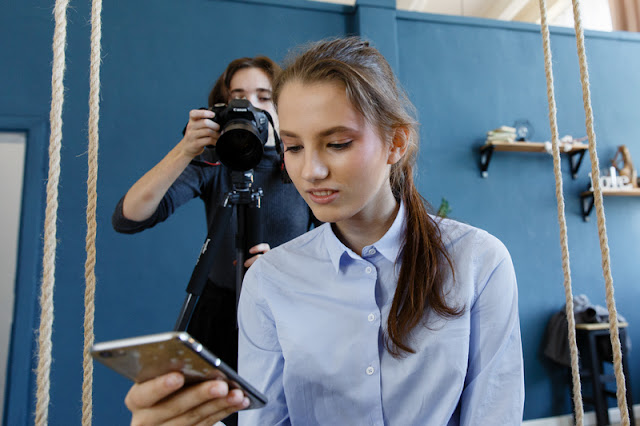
(372, 89)
(220, 92)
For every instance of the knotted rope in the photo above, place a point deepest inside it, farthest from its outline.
(602, 232)
(566, 267)
(602, 227)
(51, 214)
(92, 200)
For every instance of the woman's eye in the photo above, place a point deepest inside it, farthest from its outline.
(292, 148)
(339, 146)
(265, 99)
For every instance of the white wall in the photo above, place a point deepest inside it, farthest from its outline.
(12, 149)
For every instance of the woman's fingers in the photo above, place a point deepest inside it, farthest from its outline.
(211, 411)
(258, 250)
(197, 114)
(144, 395)
(160, 402)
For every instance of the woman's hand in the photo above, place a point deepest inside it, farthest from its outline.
(164, 401)
(201, 131)
(258, 250)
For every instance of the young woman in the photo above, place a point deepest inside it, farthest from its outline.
(178, 179)
(385, 314)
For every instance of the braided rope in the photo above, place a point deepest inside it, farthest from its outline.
(575, 366)
(51, 214)
(602, 228)
(92, 200)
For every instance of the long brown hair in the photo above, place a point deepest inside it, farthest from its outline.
(372, 89)
(220, 92)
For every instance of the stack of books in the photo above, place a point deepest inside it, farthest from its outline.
(502, 134)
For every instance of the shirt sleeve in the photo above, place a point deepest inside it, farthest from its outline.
(190, 184)
(494, 385)
(260, 359)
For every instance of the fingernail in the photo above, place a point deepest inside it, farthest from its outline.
(245, 402)
(173, 380)
(235, 397)
(217, 390)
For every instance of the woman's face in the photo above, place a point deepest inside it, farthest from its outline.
(254, 85)
(336, 159)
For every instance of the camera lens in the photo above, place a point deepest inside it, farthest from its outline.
(240, 147)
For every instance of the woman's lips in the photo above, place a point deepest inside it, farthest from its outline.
(322, 196)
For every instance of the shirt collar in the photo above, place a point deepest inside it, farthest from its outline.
(388, 246)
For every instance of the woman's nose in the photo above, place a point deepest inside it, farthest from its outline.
(314, 167)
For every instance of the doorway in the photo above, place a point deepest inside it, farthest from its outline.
(12, 154)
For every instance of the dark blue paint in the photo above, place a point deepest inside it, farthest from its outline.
(160, 59)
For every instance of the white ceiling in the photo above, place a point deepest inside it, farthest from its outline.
(595, 13)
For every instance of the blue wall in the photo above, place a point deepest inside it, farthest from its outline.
(159, 60)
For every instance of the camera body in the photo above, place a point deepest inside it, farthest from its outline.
(244, 130)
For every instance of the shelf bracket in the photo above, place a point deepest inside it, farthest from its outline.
(586, 200)
(485, 158)
(575, 162)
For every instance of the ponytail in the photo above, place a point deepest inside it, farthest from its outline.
(424, 262)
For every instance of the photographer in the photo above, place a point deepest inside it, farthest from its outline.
(191, 170)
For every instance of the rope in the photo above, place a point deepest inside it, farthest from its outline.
(575, 366)
(49, 256)
(92, 200)
(602, 229)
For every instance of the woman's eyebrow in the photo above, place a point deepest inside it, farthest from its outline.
(322, 134)
(334, 130)
(259, 89)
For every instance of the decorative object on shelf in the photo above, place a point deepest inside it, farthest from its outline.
(573, 147)
(609, 179)
(623, 165)
(565, 144)
(502, 134)
(611, 184)
(524, 130)
(444, 209)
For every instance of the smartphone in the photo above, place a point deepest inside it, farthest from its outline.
(145, 357)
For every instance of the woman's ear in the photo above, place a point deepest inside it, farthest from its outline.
(399, 144)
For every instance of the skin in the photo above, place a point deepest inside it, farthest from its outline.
(164, 401)
(142, 199)
(339, 162)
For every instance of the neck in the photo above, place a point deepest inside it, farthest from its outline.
(358, 233)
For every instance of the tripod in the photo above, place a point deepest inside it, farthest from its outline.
(246, 201)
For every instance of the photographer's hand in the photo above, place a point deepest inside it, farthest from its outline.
(143, 197)
(258, 250)
(164, 400)
(201, 131)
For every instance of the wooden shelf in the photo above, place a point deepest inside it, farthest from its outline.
(598, 325)
(586, 198)
(575, 150)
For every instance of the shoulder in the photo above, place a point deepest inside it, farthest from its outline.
(308, 246)
(465, 240)
(478, 258)
(290, 261)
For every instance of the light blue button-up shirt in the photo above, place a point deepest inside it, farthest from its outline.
(312, 320)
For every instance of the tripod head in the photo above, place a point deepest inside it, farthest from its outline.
(243, 191)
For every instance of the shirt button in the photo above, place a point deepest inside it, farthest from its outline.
(371, 317)
(370, 371)
(372, 251)
(368, 270)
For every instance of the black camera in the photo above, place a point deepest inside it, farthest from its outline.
(244, 130)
